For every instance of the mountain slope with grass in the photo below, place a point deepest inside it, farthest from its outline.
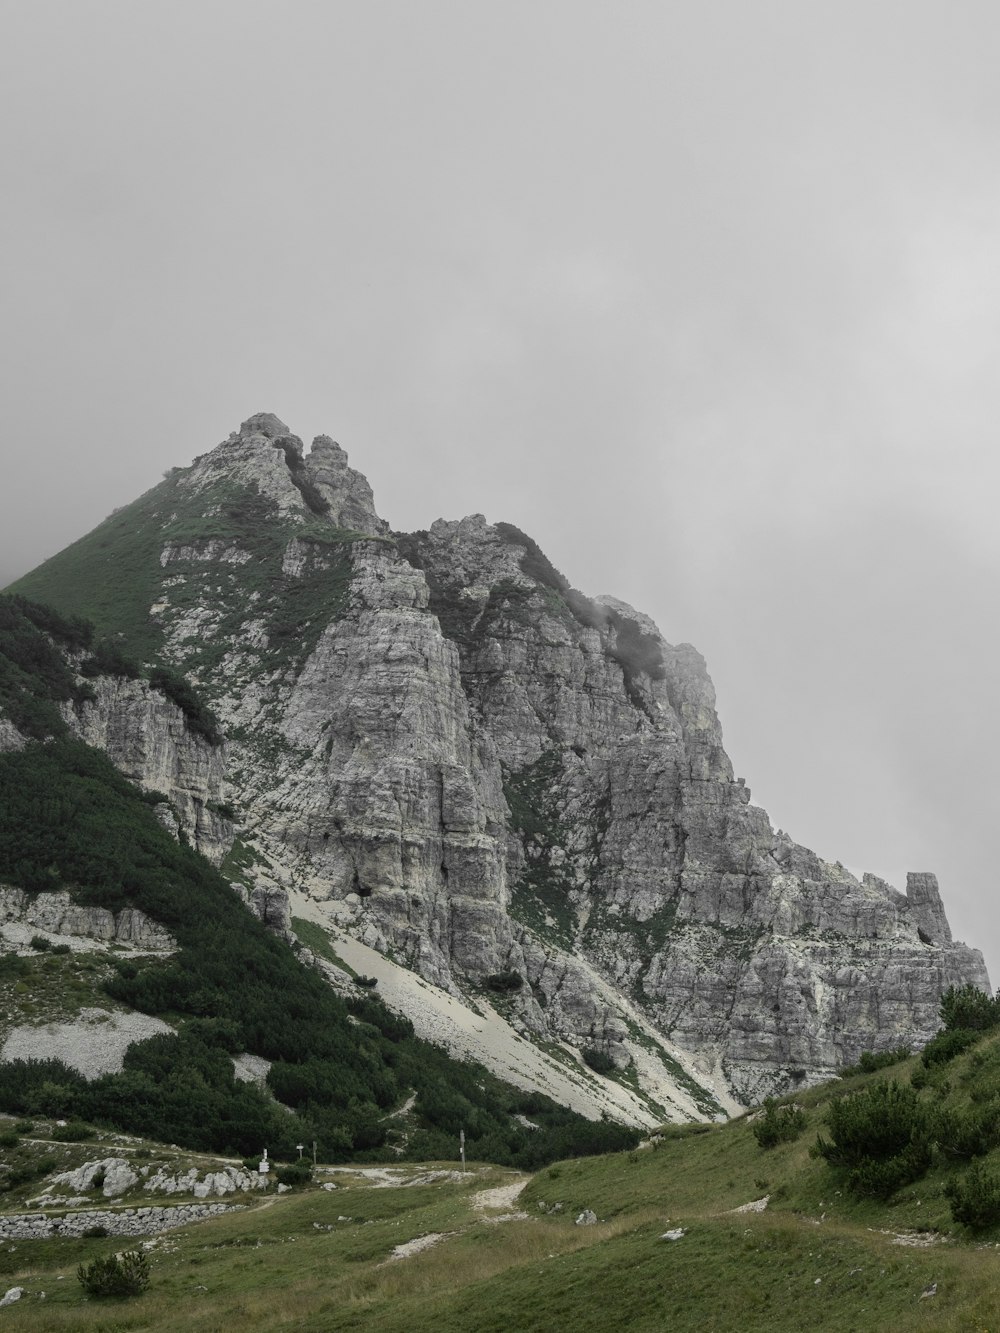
(703, 1227)
(431, 744)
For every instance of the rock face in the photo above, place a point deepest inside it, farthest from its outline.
(56, 915)
(497, 780)
(148, 739)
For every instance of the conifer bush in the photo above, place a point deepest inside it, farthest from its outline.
(948, 1043)
(869, 1062)
(975, 1197)
(115, 1275)
(778, 1124)
(967, 1132)
(969, 1007)
(882, 1136)
(599, 1061)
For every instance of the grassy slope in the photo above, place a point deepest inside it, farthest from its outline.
(816, 1258)
(113, 576)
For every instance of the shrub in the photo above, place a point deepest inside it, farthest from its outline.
(40, 943)
(73, 1132)
(975, 1197)
(296, 1173)
(534, 562)
(368, 982)
(882, 1135)
(599, 1061)
(8, 1139)
(969, 1007)
(115, 1275)
(24, 1127)
(778, 1124)
(95, 1232)
(880, 1179)
(931, 1076)
(947, 1044)
(199, 717)
(967, 1133)
(871, 1061)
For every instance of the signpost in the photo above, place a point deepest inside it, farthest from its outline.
(461, 1146)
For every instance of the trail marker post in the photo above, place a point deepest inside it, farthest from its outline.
(461, 1146)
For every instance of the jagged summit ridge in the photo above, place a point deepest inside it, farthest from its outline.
(439, 746)
(264, 454)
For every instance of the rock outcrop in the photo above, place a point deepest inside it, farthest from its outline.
(148, 738)
(55, 915)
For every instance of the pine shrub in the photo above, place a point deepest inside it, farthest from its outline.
(948, 1043)
(115, 1275)
(778, 1124)
(881, 1135)
(975, 1197)
(869, 1062)
(969, 1007)
(599, 1061)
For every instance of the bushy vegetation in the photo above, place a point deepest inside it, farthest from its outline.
(115, 1275)
(199, 717)
(35, 676)
(970, 1009)
(504, 981)
(869, 1062)
(534, 562)
(975, 1197)
(882, 1136)
(597, 1060)
(295, 1173)
(948, 1043)
(780, 1123)
(74, 1131)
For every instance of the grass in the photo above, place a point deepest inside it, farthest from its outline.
(314, 937)
(46, 988)
(113, 576)
(817, 1258)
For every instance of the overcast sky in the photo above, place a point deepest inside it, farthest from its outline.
(704, 295)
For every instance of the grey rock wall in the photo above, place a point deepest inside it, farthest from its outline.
(116, 1222)
(147, 737)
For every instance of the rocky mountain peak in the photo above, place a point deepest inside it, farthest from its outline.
(441, 749)
(262, 423)
(266, 458)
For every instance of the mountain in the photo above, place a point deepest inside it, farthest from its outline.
(506, 800)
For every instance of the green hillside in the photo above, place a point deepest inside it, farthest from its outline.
(820, 1255)
(113, 575)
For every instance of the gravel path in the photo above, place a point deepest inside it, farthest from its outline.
(501, 1196)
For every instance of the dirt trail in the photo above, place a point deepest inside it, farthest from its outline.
(501, 1196)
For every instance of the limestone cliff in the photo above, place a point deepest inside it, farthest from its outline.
(445, 750)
